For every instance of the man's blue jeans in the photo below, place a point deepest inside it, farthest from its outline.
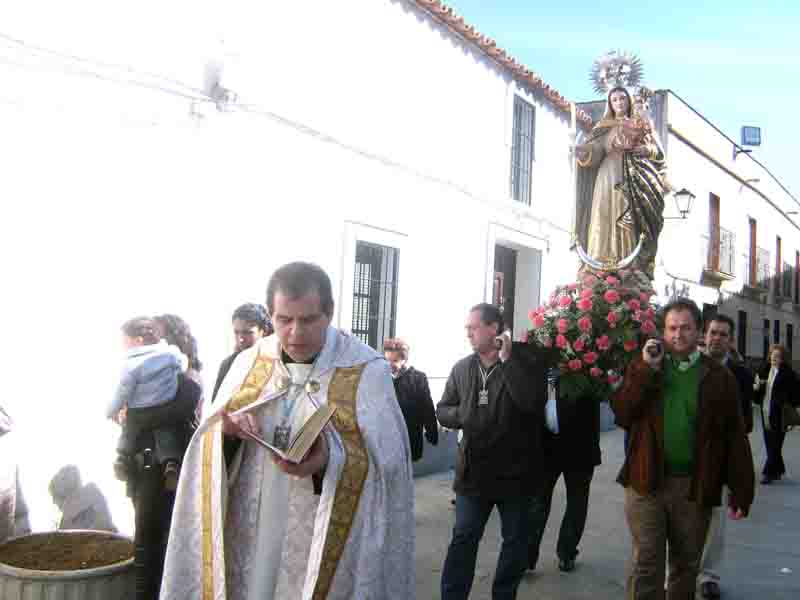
(472, 512)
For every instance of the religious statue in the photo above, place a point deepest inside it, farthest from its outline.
(621, 180)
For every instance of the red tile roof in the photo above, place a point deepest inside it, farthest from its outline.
(521, 73)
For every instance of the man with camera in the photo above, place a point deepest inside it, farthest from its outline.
(687, 439)
(496, 396)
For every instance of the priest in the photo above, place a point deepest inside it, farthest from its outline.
(337, 525)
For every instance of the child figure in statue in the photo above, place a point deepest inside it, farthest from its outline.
(149, 378)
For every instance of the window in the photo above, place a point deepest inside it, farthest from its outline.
(375, 293)
(778, 265)
(766, 339)
(776, 331)
(522, 150)
(789, 339)
(713, 233)
(752, 272)
(797, 277)
(741, 333)
(727, 248)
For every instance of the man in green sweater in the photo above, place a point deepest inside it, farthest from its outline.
(687, 441)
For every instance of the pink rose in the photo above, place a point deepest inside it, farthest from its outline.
(611, 296)
(579, 345)
(630, 345)
(589, 280)
(565, 302)
(611, 280)
(648, 327)
(595, 372)
(603, 343)
(590, 358)
(563, 326)
(561, 341)
(585, 324)
(575, 364)
(612, 319)
(585, 305)
(644, 297)
(553, 303)
(587, 293)
(638, 316)
(650, 313)
(634, 304)
(538, 322)
(572, 286)
(547, 343)
(612, 377)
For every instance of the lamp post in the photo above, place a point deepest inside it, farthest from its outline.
(683, 200)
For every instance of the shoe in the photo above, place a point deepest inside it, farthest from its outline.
(566, 564)
(710, 589)
(121, 468)
(766, 480)
(171, 473)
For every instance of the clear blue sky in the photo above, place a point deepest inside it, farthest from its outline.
(736, 61)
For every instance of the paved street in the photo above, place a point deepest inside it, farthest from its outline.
(763, 551)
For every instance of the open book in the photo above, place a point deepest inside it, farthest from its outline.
(304, 438)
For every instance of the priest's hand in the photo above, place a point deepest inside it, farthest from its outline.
(315, 462)
(240, 425)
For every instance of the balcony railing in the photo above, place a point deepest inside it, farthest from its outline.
(762, 267)
(786, 280)
(727, 256)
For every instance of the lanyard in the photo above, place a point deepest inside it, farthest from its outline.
(486, 374)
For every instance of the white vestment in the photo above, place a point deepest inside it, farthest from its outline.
(255, 533)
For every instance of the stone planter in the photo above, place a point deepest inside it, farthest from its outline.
(113, 581)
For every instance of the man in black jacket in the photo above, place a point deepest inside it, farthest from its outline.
(572, 449)
(720, 332)
(413, 396)
(496, 396)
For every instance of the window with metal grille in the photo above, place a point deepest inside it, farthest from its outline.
(375, 293)
(522, 146)
(727, 251)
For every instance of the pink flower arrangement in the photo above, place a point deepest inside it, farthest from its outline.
(585, 324)
(592, 329)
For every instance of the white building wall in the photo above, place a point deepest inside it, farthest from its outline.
(359, 119)
(746, 190)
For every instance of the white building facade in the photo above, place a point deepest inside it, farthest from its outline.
(738, 252)
(170, 159)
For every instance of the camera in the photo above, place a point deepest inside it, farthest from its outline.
(655, 349)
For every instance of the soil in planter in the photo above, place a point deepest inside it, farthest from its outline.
(65, 552)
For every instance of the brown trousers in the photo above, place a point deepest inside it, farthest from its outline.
(666, 518)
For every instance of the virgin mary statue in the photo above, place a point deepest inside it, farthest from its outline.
(621, 185)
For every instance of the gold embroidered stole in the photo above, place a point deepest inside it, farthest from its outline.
(258, 376)
(342, 394)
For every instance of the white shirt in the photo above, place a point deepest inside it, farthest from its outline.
(768, 393)
(551, 409)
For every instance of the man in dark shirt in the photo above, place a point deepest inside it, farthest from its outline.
(720, 332)
(496, 396)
